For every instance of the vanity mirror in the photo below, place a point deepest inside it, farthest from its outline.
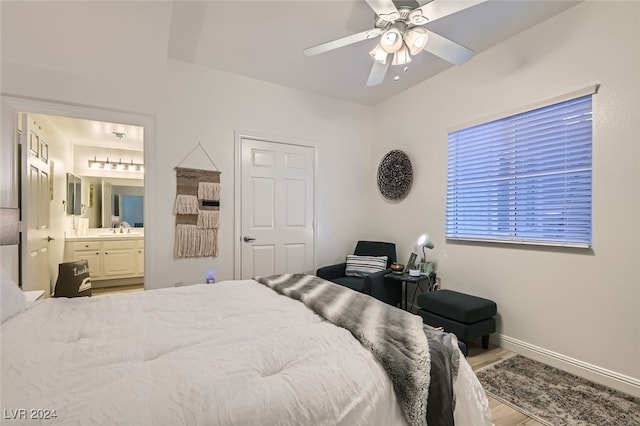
(122, 204)
(110, 202)
(74, 198)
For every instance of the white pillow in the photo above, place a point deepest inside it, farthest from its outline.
(361, 266)
(11, 297)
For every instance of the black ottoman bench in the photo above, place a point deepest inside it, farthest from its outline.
(464, 315)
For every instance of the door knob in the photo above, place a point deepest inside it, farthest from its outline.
(248, 239)
(50, 238)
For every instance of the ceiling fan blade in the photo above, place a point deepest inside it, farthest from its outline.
(447, 49)
(437, 9)
(378, 71)
(384, 9)
(344, 41)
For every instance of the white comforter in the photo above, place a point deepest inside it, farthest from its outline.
(233, 353)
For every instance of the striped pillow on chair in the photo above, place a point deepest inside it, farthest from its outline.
(361, 266)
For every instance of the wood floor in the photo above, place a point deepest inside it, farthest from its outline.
(117, 289)
(503, 415)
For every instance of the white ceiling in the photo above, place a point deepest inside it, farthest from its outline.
(97, 134)
(261, 39)
(265, 39)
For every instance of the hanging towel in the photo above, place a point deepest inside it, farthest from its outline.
(209, 191)
(208, 219)
(186, 204)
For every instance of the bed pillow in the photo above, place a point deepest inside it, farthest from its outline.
(361, 266)
(11, 297)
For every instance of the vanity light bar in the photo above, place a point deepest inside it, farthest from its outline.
(117, 166)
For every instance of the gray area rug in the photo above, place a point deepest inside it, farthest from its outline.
(555, 397)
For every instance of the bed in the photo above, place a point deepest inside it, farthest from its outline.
(241, 352)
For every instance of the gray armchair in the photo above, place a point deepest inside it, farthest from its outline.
(374, 284)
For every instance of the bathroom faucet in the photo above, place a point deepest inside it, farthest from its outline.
(121, 229)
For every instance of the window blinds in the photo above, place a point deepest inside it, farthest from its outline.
(524, 178)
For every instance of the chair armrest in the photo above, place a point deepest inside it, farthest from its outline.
(374, 280)
(385, 290)
(332, 271)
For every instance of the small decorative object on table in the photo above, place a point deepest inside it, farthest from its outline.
(397, 268)
(427, 268)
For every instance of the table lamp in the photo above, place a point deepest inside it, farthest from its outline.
(422, 242)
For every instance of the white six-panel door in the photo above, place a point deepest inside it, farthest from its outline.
(277, 184)
(35, 207)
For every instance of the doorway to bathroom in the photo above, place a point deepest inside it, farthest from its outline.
(96, 149)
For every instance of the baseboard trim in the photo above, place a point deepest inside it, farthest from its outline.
(621, 382)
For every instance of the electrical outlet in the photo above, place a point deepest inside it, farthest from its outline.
(438, 284)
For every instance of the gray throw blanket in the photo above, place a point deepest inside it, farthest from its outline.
(421, 362)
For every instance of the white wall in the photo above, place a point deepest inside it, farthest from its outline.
(192, 104)
(198, 104)
(573, 305)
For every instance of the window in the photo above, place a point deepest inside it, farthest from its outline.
(525, 178)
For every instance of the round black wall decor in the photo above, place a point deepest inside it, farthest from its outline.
(395, 175)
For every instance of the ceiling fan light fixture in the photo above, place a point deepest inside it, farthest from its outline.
(416, 39)
(379, 54)
(399, 23)
(416, 17)
(402, 56)
(391, 40)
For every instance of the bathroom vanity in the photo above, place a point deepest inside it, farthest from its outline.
(114, 258)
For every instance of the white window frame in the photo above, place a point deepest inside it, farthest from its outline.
(524, 176)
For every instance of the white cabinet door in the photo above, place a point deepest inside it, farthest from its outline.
(118, 259)
(91, 251)
(109, 260)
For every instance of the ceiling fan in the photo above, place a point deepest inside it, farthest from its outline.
(402, 35)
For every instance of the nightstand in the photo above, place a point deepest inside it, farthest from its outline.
(33, 295)
(406, 278)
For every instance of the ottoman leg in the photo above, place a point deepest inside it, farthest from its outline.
(485, 342)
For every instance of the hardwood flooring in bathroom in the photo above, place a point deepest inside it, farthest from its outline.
(116, 289)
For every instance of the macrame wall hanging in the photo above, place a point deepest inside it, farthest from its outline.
(197, 210)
